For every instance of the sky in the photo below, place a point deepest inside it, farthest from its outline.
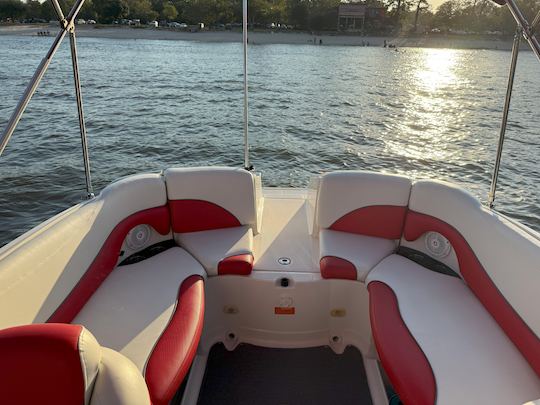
(436, 3)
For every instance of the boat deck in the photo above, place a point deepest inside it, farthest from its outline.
(287, 223)
(263, 376)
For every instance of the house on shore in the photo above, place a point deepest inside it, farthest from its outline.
(359, 17)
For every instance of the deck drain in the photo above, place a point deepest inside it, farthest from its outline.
(284, 261)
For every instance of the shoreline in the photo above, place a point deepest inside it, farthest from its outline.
(268, 37)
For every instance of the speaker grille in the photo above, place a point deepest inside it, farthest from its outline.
(437, 245)
(138, 237)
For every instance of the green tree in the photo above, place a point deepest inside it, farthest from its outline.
(447, 14)
(141, 9)
(110, 10)
(398, 9)
(169, 12)
(298, 13)
(210, 12)
(323, 14)
(420, 6)
(12, 9)
(33, 9)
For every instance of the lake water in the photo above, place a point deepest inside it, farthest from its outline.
(151, 105)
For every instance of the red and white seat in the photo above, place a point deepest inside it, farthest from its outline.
(152, 311)
(64, 365)
(463, 340)
(214, 216)
(360, 216)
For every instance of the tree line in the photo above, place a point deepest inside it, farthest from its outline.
(479, 16)
(304, 14)
(415, 16)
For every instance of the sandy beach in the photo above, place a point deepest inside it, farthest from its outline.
(268, 37)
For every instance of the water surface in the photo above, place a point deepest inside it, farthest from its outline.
(427, 113)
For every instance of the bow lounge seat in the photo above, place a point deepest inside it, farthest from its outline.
(151, 311)
(467, 339)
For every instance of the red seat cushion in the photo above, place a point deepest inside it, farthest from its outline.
(174, 351)
(241, 265)
(335, 267)
(402, 358)
(381, 221)
(41, 364)
(197, 215)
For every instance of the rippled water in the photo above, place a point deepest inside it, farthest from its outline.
(154, 104)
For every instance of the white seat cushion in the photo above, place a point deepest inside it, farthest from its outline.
(364, 252)
(133, 306)
(231, 189)
(473, 361)
(211, 247)
(119, 382)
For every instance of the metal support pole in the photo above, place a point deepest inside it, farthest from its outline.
(535, 22)
(515, 53)
(82, 125)
(36, 79)
(528, 30)
(74, 11)
(29, 92)
(247, 164)
(59, 13)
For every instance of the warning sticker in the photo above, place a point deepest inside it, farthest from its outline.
(284, 310)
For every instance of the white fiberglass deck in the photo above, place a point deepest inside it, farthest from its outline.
(287, 224)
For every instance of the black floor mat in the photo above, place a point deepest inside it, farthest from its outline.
(252, 375)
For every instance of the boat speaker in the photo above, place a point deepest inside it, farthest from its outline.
(138, 237)
(437, 245)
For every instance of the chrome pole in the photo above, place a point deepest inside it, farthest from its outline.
(36, 79)
(513, 65)
(528, 30)
(74, 11)
(29, 92)
(59, 12)
(535, 22)
(247, 165)
(80, 110)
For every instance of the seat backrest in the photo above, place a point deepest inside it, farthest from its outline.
(206, 198)
(499, 260)
(362, 202)
(64, 364)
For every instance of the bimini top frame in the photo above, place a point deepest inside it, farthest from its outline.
(527, 31)
(67, 25)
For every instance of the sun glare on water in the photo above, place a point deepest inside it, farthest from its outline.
(436, 69)
(432, 109)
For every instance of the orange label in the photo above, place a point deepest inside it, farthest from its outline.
(284, 310)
